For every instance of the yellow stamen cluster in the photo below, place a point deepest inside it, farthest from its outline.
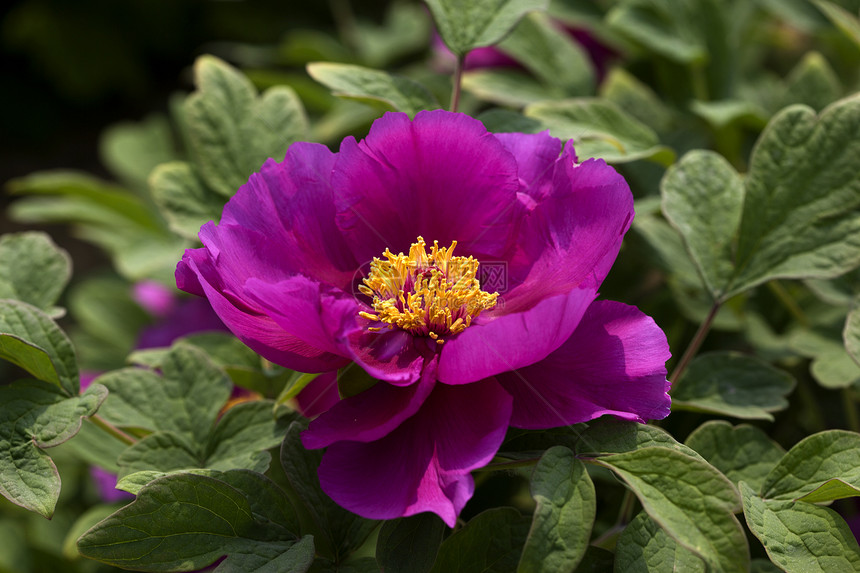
(433, 294)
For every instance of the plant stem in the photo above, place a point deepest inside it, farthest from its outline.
(788, 302)
(695, 344)
(458, 80)
(112, 430)
(851, 409)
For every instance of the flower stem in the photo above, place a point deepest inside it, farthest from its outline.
(609, 537)
(695, 344)
(458, 80)
(112, 430)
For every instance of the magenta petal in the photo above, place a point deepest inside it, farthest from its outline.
(614, 363)
(441, 176)
(537, 155)
(300, 306)
(572, 236)
(251, 325)
(369, 415)
(290, 206)
(423, 465)
(513, 340)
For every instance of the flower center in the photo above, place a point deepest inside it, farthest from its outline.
(433, 294)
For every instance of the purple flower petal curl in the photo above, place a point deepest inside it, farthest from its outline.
(253, 327)
(614, 363)
(424, 464)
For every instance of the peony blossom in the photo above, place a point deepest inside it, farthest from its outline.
(457, 267)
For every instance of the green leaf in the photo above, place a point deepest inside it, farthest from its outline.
(131, 150)
(468, 24)
(732, 384)
(243, 433)
(373, 86)
(812, 82)
(609, 435)
(121, 223)
(636, 98)
(671, 29)
(30, 339)
(189, 521)
(800, 216)
(740, 452)
(506, 87)
(33, 269)
(599, 128)
(163, 452)
(340, 529)
(809, 469)
(848, 23)
(689, 499)
(353, 380)
(834, 369)
(551, 55)
(231, 131)
(406, 30)
(801, 537)
(491, 543)
(183, 199)
(507, 121)
(700, 184)
(726, 113)
(409, 544)
(566, 506)
(644, 547)
(36, 415)
(851, 334)
(108, 321)
(185, 399)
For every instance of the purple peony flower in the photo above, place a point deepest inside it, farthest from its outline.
(460, 269)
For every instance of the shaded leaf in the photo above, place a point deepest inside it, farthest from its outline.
(644, 547)
(131, 150)
(700, 184)
(732, 384)
(183, 199)
(599, 128)
(491, 542)
(740, 452)
(33, 269)
(30, 339)
(689, 499)
(465, 25)
(851, 334)
(609, 435)
(801, 537)
(848, 23)
(185, 399)
(36, 415)
(343, 531)
(410, 544)
(808, 468)
(800, 216)
(231, 131)
(198, 520)
(367, 85)
(551, 55)
(566, 506)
